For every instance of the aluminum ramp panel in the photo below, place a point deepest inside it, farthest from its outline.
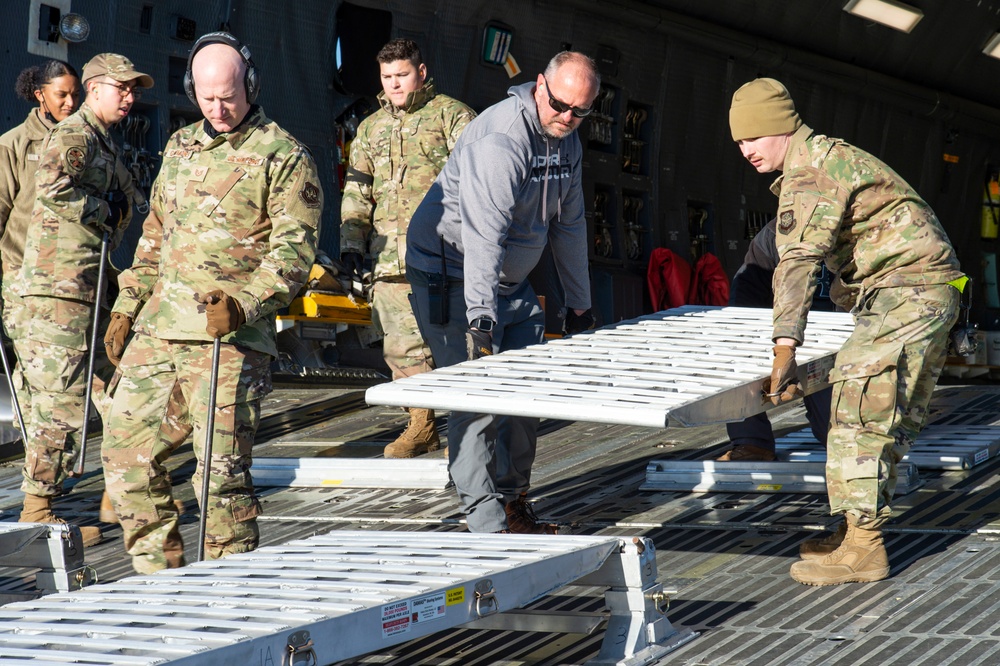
(337, 596)
(703, 476)
(950, 447)
(692, 365)
(407, 473)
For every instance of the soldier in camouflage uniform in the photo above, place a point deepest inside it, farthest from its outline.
(81, 195)
(55, 87)
(895, 270)
(397, 154)
(229, 240)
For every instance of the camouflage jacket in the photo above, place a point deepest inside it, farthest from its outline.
(395, 158)
(238, 212)
(79, 165)
(20, 150)
(841, 205)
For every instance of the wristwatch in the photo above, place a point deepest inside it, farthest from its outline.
(484, 324)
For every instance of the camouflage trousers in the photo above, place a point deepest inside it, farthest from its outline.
(15, 320)
(403, 348)
(883, 379)
(52, 349)
(139, 438)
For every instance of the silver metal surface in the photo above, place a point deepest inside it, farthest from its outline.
(55, 549)
(306, 596)
(937, 447)
(351, 473)
(705, 476)
(690, 365)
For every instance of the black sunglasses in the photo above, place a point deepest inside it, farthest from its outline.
(563, 107)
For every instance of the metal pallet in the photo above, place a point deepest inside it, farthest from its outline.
(333, 597)
(690, 365)
(56, 550)
(703, 476)
(351, 473)
(937, 447)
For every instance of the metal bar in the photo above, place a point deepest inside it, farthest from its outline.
(692, 365)
(754, 477)
(351, 473)
(947, 447)
(206, 456)
(92, 358)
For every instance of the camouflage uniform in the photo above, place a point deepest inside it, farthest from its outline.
(20, 150)
(893, 263)
(78, 167)
(239, 212)
(395, 158)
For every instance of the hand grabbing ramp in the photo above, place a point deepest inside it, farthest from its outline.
(692, 365)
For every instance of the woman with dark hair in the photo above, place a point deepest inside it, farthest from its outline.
(55, 87)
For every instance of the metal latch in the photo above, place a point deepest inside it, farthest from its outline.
(486, 596)
(299, 651)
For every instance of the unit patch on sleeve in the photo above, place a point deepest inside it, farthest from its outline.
(310, 195)
(76, 158)
(786, 222)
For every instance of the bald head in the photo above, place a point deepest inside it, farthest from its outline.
(218, 72)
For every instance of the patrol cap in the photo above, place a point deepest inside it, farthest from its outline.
(762, 107)
(117, 67)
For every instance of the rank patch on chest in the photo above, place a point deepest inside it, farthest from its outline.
(76, 159)
(786, 222)
(310, 195)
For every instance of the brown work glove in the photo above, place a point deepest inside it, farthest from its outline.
(114, 337)
(223, 312)
(783, 385)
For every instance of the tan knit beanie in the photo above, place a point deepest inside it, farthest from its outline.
(762, 108)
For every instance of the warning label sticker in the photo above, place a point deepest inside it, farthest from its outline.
(395, 618)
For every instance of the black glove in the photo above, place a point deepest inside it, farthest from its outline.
(575, 323)
(478, 343)
(118, 209)
(354, 262)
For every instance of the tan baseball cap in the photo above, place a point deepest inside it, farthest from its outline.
(117, 67)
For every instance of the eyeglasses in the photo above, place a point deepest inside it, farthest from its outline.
(124, 91)
(563, 107)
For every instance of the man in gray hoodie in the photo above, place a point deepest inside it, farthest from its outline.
(511, 186)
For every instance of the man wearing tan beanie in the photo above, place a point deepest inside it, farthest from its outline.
(896, 270)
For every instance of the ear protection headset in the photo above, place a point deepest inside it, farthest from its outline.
(251, 80)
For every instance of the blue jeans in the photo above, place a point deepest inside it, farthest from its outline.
(489, 456)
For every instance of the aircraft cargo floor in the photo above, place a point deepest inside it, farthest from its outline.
(727, 554)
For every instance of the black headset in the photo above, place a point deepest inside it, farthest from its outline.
(251, 80)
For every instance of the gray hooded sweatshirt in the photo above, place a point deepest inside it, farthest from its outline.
(505, 191)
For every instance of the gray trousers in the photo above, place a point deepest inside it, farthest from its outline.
(489, 457)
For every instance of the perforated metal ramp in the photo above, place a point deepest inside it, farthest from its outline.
(336, 596)
(937, 447)
(691, 365)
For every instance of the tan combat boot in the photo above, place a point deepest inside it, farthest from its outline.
(861, 558)
(420, 436)
(38, 509)
(815, 549)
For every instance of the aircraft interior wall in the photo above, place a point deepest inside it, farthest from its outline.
(661, 168)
